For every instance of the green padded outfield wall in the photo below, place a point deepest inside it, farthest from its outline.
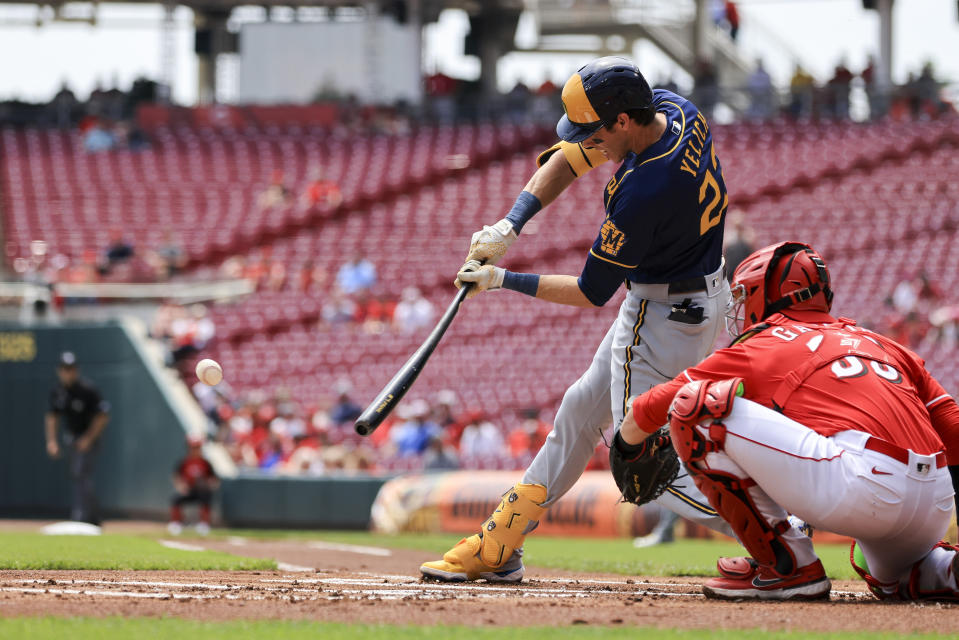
(142, 443)
(337, 502)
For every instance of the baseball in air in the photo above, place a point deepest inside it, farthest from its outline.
(209, 371)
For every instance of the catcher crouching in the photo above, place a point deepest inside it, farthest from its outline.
(815, 416)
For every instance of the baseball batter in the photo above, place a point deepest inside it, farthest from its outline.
(839, 425)
(662, 235)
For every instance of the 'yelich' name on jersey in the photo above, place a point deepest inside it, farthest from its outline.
(695, 146)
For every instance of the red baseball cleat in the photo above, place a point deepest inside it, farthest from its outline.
(739, 567)
(808, 583)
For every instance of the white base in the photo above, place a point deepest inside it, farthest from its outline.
(71, 528)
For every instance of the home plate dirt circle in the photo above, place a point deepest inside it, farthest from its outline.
(372, 585)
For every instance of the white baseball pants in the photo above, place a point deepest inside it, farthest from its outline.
(896, 510)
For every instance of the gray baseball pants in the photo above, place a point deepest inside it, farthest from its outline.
(643, 348)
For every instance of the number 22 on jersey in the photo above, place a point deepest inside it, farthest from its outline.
(710, 196)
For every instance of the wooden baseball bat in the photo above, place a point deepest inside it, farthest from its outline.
(394, 391)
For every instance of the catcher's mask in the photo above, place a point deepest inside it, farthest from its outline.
(788, 275)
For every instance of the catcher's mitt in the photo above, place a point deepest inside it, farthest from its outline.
(643, 476)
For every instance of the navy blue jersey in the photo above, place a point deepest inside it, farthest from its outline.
(665, 209)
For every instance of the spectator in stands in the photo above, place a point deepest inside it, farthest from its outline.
(481, 439)
(64, 106)
(518, 102)
(412, 436)
(761, 93)
(668, 83)
(738, 242)
(837, 91)
(309, 276)
(441, 97)
(726, 17)
(272, 452)
(306, 460)
(528, 437)
(356, 274)
(320, 192)
(169, 258)
(276, 194)
(106, 103)
(944, 320)
(338, 309)
(913, 301)
(905, 296)
(118, 250)
(287, 425)
(439, 456)
(930, 103)
(874, 93)
(240, 423)
(320, 423)
(413, 312)
(256, 268)
(98, 138)
(41, 273)
(77, 403)
(345, 410)
(210, 398)
(190, 330)
(717, 9)
(275, 279)
(732, 19)
(543, 107)
(194, 481)
(706, 87)
(373, 313)
(801, 91)
(134, 137)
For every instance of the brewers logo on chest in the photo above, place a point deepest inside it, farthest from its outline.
(613, 238)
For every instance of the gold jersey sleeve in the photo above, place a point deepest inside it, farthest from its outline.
(580, 160)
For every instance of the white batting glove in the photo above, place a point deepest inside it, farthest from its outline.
(489, 245)
(484, 278)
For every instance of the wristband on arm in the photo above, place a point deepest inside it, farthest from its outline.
(527, 283)
(525, 207)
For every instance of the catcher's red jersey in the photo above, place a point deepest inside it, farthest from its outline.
(830, 377)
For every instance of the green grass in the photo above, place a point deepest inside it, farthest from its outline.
(681, 558)
(176, 629)
(35, 551)
(617, 555)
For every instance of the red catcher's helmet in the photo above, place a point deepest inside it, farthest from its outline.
(788, 275)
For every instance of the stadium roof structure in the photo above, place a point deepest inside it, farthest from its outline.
(682, 29)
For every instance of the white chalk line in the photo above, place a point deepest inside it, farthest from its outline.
(428, 591)
(349, 548)
(412, 588)
(180, 546)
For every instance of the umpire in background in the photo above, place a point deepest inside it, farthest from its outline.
(77, 403)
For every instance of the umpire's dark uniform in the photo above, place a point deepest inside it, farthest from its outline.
(77, 404)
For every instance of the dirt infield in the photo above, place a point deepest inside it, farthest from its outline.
(345, 583)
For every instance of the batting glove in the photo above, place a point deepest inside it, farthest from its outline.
(484, 278)
(489, 245)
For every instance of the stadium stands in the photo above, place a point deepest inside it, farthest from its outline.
(879, 200)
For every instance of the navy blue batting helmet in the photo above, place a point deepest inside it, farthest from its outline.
(599, 92)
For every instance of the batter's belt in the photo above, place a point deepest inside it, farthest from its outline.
(711, 283)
